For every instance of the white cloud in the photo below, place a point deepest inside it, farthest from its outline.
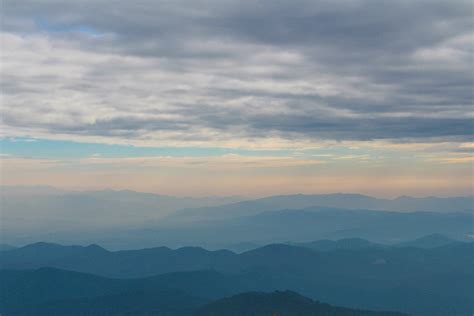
(234, 74)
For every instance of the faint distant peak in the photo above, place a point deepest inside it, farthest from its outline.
(29, 190)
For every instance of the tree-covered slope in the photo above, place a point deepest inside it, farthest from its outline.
(279, 303)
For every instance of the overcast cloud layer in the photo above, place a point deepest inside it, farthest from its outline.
(211, 71)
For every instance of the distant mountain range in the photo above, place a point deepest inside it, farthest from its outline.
(304, 225)
(412, 255)
(435, 281)
(419, 259)
(338, 200)
(128, 219)
(42, 212)
(151, 261)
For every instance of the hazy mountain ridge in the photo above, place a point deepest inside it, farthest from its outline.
(427, 242)
(341, 244)
(415, 262)
(143, 219)
(337, 200)
(309, 224)
(40, 209)
(162, 259)
(280, 227)
(368, 278)
(430, 241)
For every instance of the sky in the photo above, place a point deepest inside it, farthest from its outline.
(239, 97)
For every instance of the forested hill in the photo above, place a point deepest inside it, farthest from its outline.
(279, 303)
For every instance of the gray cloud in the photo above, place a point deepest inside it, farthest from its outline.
(185, 70)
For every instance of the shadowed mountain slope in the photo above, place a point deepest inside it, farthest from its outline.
(279, 303)
(50, 292)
